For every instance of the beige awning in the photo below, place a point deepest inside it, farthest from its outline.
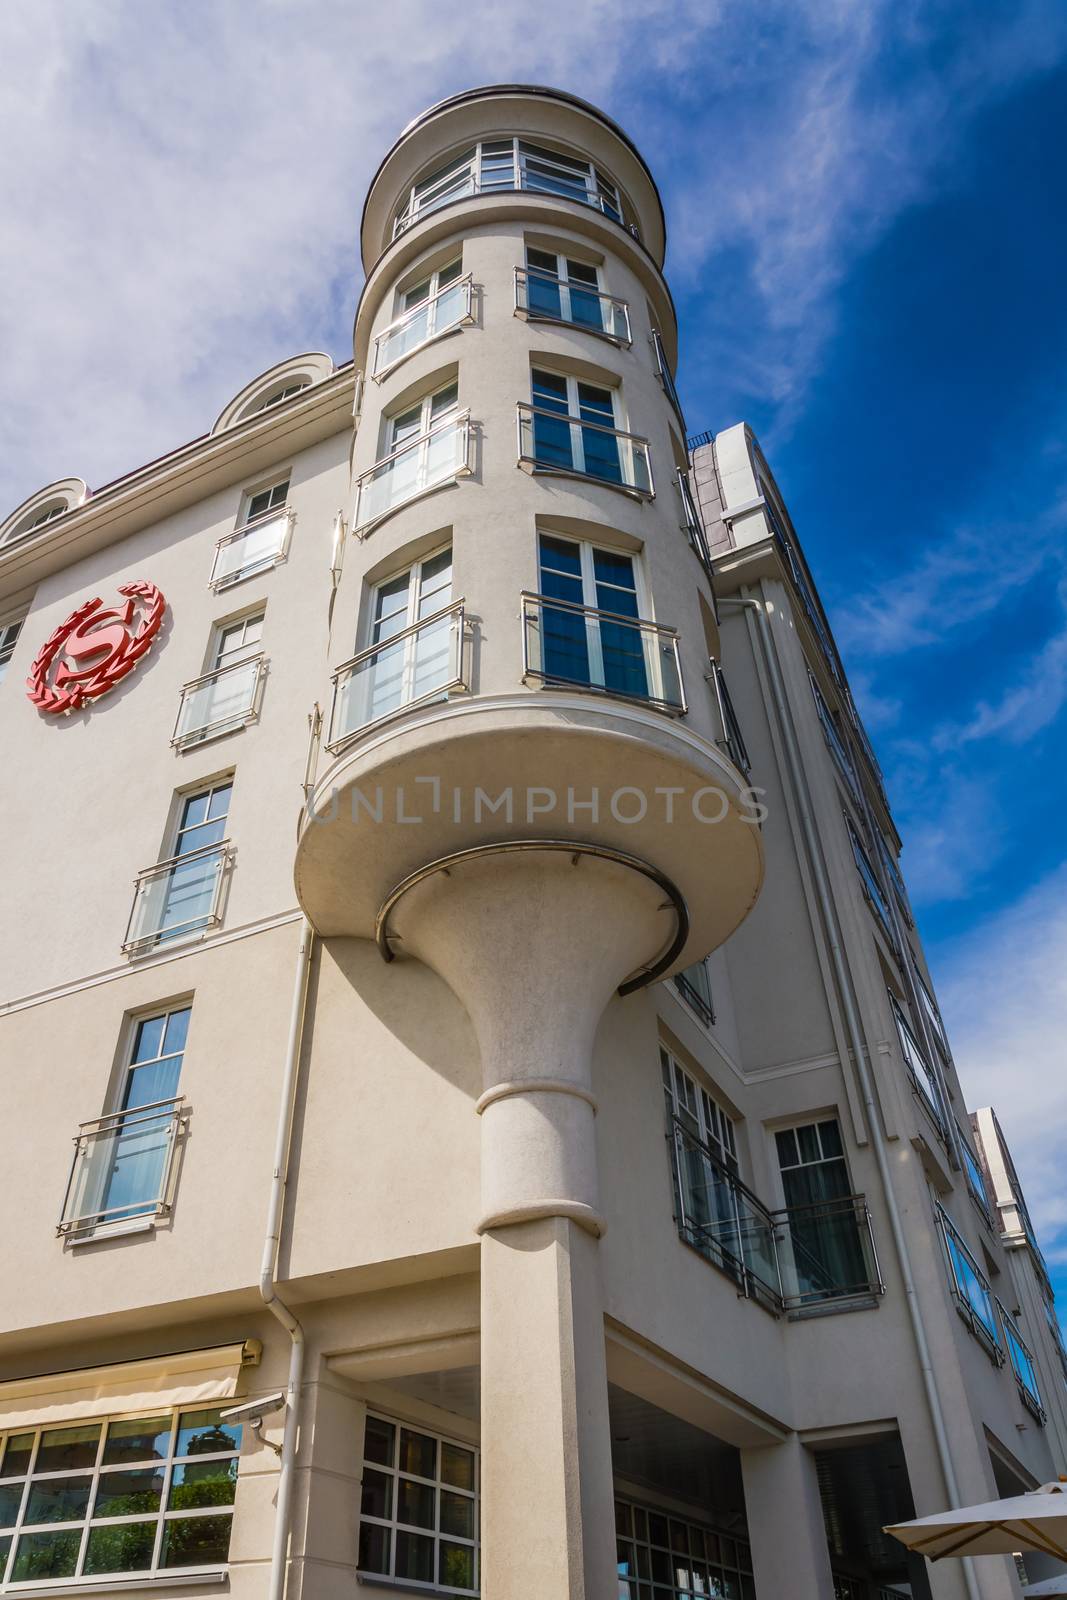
(187, 1378)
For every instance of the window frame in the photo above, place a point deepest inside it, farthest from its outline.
(703, 1009)
(872, 889)
(834, 741)
(245, 520)
(567, 285)
(216, 666)
(987, 1335)
(438, 1484)
(10, 632)
(911, 1048)
(724, 1557)
(1023, 1364)
(100, 1470)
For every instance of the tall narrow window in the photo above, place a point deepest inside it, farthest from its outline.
(421, 464)
(566, 290)
(438, 302)
(418, 664)
(826, 1248)
(574, 425)
(694, 985)
(259, 540)
(140, 1143)
(9, 633)
(704, 1151)
(226, 696)
(582, 643)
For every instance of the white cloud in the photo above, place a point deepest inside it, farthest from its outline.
(1003, 988)
(1027, 706)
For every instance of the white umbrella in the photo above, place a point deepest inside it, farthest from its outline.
(1035, 1521)
(1047, 1589)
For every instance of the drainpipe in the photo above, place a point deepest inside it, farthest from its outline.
(764, 648)
(269, 1267)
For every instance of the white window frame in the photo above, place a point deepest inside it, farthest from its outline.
(561, 276)
(717, 1128)
(438, 1485)
(574, 417)
(10, 631)
(427, 420)
(244, 655)
(430, 304)
(282, 511)
(464, 172)
(83, 1526)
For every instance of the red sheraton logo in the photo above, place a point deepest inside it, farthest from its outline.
(94, 649)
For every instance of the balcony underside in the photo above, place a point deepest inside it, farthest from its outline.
(485, 772)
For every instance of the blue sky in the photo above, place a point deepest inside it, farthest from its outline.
(866, 208)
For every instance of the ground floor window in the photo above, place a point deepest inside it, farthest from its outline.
(129, 1495)
(663, 1557)
(419, 1512)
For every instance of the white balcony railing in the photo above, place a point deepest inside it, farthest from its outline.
(564, 643)
(253, 547)
(219, 702)
(555, 441)
(178, 897)
(422, 663)
(124, 1168)
(449, 308)
(440, 455)
(544, 297)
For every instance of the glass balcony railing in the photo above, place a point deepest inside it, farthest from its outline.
(666, 377)
(836, 745)
(432, 459)
(449, 308)
(787, 1260)
(919, 1070)
(124, 1168)
(178, 897)
(219, 702)
(501, 164)
(975, 1177)
(732, 740)
(544, 297)
(971, 1292)
(253, 547)
(554, 441)
(422, 663)
(565, 643)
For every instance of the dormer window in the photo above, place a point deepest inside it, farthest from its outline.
(285, 393)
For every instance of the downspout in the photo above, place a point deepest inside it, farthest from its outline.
(269, 1267)
(765, 648)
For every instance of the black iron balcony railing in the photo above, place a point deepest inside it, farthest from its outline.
(628, 657)
(438, 314)
(545, 297)
(555, 441)
(788, 1260)
(124, 1169)
(422, 663)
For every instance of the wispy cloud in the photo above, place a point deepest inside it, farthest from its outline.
(1027, 706)
(1003, 988)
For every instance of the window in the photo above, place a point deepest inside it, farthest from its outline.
(970, 1290)
(666, 377)
(696, 1109)
(46, 516)
(1022, 1364)
(560, 288)
(286, 392)
(1048, 1302)
(419, 1511)
(922, 1076)
(425, 446)
(123, 1163)
(893, 874)
(933, 1015)
(182, 894)
(826, 1245)
(588, 446)
(501, 164)
(414, 652)
(260, 539)
(437, 303)
(588, 627)
(226, 697)
(143, 1495)
(838, 748)
(9, 633)
(975, 1177)
(733, 739)
(663, 1557)
(694, 986)
(871, 887)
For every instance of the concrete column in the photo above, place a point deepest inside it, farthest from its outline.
(785, 1522)
(534, 944)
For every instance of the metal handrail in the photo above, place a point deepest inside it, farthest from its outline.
(534, 605)
(347, 669)
(666, 377)
(274, 515)
(1012, 1336)
(638, 444)
(460, 421)
(580, 422)
(224, 851)
(259, 662)
(280, 514)
(471, 185)
(586, 290)
(172, 1116)
(413, 312)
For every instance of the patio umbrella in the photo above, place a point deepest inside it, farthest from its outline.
(1047, 1589)
(1034, 1521)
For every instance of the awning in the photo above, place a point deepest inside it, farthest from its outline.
(185, 1378)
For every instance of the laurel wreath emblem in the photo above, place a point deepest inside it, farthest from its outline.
(117, 666)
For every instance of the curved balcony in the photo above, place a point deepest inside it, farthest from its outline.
(572, 447)
(542, 296)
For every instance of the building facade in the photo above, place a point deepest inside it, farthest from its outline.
(455, 923)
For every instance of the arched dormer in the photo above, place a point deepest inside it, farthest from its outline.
(53, 501)
(274, 387)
